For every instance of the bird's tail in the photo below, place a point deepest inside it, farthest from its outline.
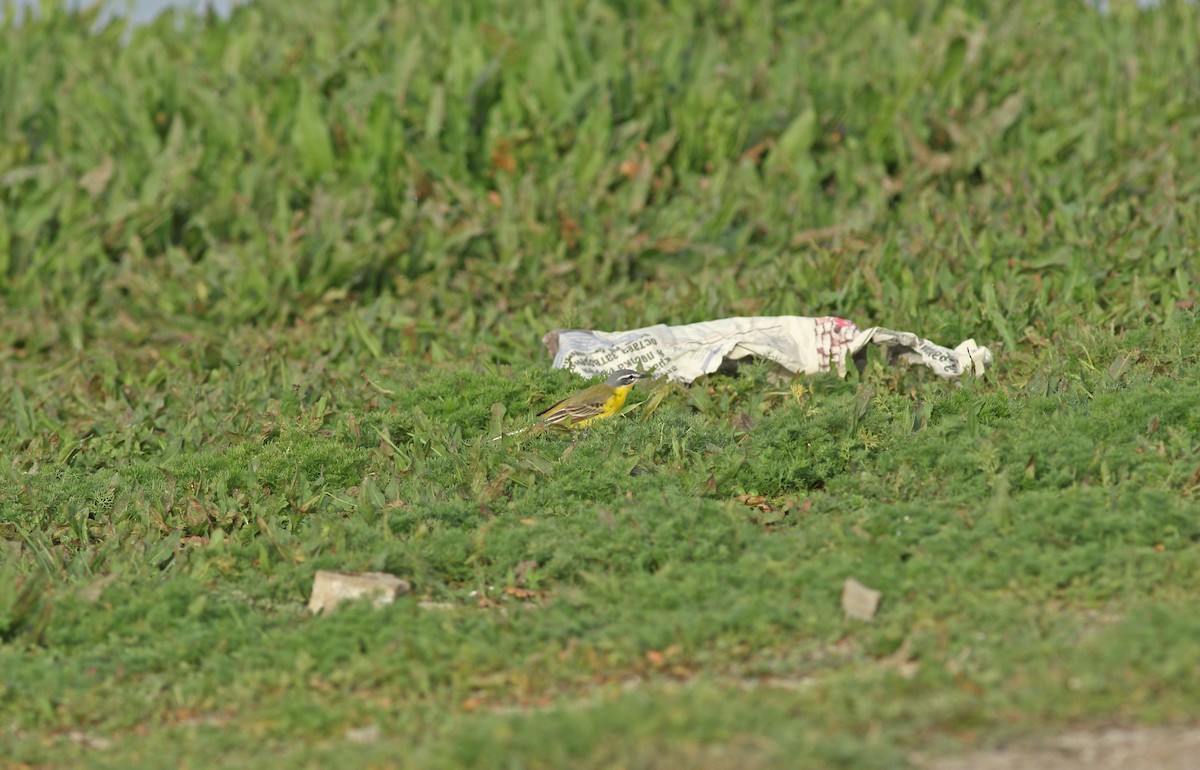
(510, 433)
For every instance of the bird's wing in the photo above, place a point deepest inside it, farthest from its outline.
(584, 404)
(550, 409)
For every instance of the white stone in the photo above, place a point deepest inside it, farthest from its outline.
(858, 601)
(332, 588)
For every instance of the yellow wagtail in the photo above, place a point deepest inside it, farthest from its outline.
(595, 403)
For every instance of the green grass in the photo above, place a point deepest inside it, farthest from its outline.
(272, 284)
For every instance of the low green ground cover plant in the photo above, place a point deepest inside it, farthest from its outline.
(273, 284)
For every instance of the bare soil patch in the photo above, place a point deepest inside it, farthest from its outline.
(1148, 748)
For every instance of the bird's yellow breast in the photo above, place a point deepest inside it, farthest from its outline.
(610, 406)
(616, 400)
